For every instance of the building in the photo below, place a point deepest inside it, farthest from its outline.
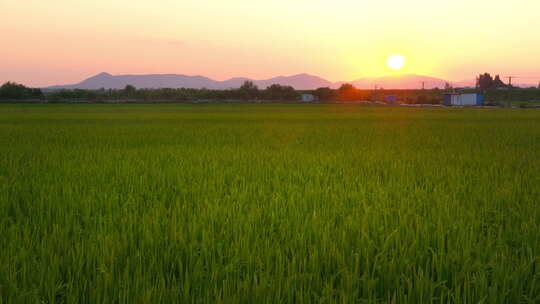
(450, 99)
(390, 98)
(308, 98)
(470, 99)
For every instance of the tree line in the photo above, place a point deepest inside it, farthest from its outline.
(12, 90)
(493, 88)
(486, 82)
(247, 92)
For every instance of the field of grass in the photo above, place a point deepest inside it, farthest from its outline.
(268, 203)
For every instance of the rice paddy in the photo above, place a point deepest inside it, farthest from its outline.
(268, 204)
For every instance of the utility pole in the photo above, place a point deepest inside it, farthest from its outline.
(510, 80)
(423, 85)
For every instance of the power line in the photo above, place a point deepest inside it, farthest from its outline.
(520, 77)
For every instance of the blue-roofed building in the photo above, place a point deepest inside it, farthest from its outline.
(390, 98)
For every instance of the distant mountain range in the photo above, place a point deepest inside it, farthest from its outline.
(299, 82)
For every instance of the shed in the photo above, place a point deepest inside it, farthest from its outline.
(451, 99)
(390, 98)
(469, 99)
(308, 97)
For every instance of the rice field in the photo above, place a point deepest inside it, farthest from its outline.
(268, 204)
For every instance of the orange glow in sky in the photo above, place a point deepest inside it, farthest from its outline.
(64, 41)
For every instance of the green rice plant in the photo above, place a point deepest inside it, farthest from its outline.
(268, 204)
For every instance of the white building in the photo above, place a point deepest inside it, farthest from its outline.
(308, 98)
(472, 99)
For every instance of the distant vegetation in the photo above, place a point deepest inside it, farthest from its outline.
(486, 82)
(247, 92)
(495, 90)
(15, 91)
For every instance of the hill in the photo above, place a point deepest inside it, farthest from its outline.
(299, 82)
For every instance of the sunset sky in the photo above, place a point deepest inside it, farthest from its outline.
(65, 41)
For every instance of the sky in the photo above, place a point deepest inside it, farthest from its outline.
(65, 41)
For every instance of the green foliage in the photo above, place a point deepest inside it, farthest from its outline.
(346, 93)
(486, 82)
(12, 90)
(129, 90)
(248, 91)
(268, 204)
(324, 94)
(56, 98)
(279, 92)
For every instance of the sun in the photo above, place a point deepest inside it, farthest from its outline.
(396, 62)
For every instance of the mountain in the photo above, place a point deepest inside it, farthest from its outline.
(299, 82)
(108, 81)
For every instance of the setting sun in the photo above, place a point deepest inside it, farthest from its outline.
(396, 62)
